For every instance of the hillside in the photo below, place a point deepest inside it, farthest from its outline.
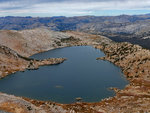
(29, 42)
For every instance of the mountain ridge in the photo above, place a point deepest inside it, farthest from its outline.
(131, 28)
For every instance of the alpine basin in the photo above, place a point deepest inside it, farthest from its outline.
(81, 75)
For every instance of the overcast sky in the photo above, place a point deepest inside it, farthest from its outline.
(47, 8)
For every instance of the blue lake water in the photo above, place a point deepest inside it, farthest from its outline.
(81, 75)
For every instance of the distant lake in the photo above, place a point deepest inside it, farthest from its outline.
(81, 75)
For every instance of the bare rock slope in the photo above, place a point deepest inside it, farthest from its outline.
(29, 42)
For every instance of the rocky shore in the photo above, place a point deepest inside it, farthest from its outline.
(12, 62)
(135, 64)
(132, 59)
(34, 64)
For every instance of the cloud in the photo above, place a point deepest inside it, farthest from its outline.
(69, 7)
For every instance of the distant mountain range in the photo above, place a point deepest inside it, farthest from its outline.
(131, 28)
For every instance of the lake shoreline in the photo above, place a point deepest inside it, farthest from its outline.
(76, 77)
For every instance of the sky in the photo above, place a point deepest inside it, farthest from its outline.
(48, 8)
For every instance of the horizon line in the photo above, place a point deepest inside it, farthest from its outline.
(79, 16)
